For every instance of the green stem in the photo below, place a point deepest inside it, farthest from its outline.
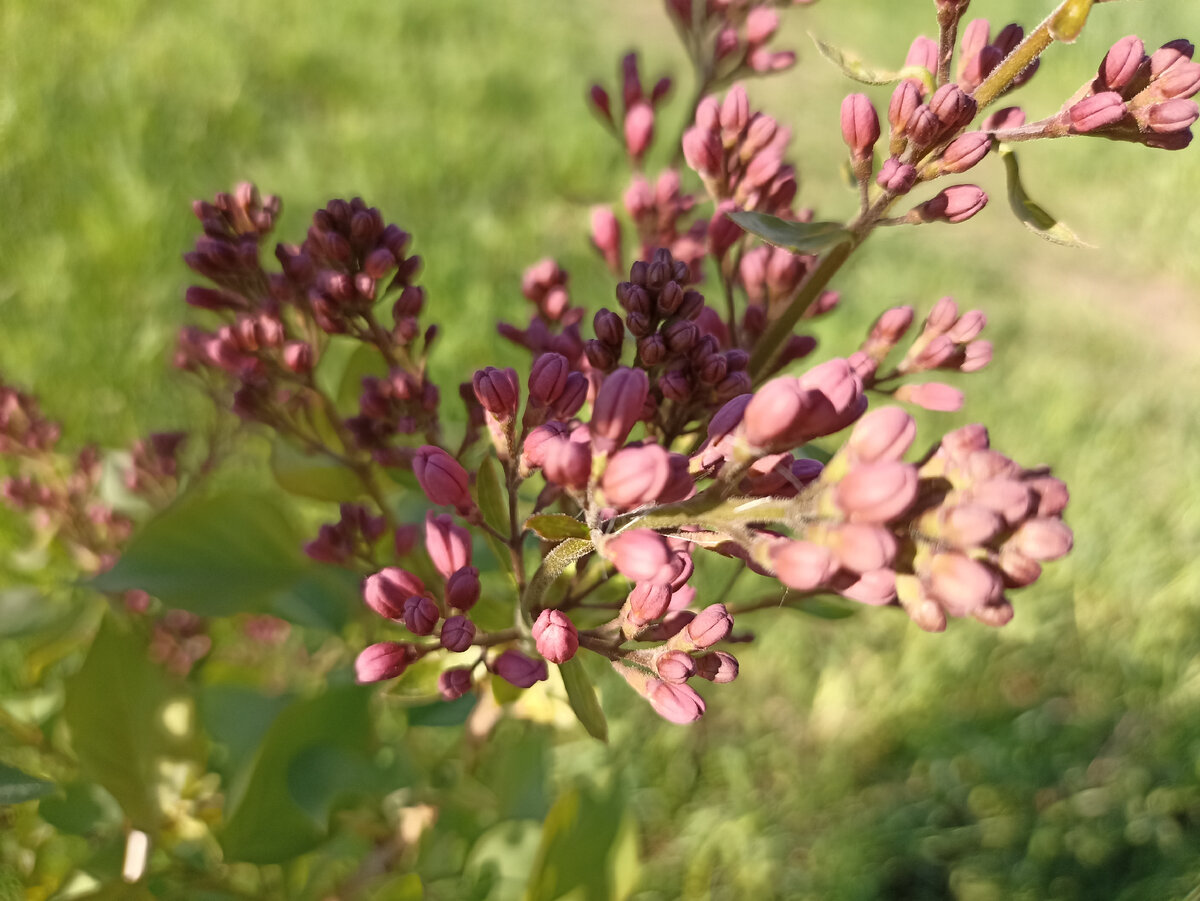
(1015, 63)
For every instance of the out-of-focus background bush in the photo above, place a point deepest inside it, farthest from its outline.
(1058, 757)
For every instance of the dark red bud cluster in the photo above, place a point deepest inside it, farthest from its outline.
(659, 213)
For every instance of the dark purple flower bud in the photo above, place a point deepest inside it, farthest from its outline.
(965, 151)
(957, 203)
(675, 666)
(718, 667)
(1122, 62)
(675, 703)
(213, 299)
(609, 328)
(860, 126)
(519, 670)
(711, 625)
(386, 591)
(462, 588)
(1097, 111)
(454, 683)
(458, 633)
(556, 636)
(618, 407)
(381, 661)
(953, 107)
(681, 337)
(420, 615)
(675, 385)
(498, 391)
(670, 298)
(641, 555)
(448, 545)
(803, 565)
(547, 378)
(442, 478)
(896, 177)
(573, 396)
(652, 349)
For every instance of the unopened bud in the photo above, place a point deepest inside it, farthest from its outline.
(1043, 539)
(641, 555)
(896, 177)
(519, 670)
(675, 666)
(965, 151)
(962, 585)
(454, 683)
(447, 544)
(635, 476)
(957, 203)
(803, 565)
(675, 703)
(606, 235)
(882, 435)
(556, 636)
(298, 357)
(547, 378)
(498, 391)
(639, 129)
(953, 107)
(462, 588)
(421, 615)
(386, 591)
(458, 633)
(860, 126)
(441, 477)
(718, 667)
(618, 407)
(877, 492)
(711, 625)
(1122, 62)
(381, 661)
(1097, 111)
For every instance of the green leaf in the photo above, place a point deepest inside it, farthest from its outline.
(443, 713)
(214, 556)
(855, 68)
(16, 787)
(82, 808)
(798, 237)
(365, 361)
(556, 526)
(823, 607)
(581, 848)
(114, 707)
(25, 610)
(267, 822)
(491, 495)
(500, 552)
(323, 778)
(320, 598)
(312, 474)
(1033, 216)
(582, 696)
(237, 717)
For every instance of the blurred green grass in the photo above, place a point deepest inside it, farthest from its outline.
(1058, 757)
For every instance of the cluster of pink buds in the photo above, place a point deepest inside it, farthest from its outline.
(727, 39)
(637, 108)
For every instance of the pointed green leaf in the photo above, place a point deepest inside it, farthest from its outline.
(556, 526)
(581, 848)
(855, 68)
(1032, 215)
(582, 696)
(114, 707)
(491, 496)
(312, 474)
(17, 787)
(798, 237)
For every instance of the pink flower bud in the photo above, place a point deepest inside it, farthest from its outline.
(876, 587)
(775, 416)
(448, 545)
(298, 356)
(1172, 116)
(458, 633)
(735, 110)
(1122, 62)
(877, 492)
(462, 588)
(840, 399)
(381, 661)
(923, 52)
(953, 107)
(556, 636)
(923, 126)
(711, 625)
(1009, 117)
(675, 666)
(965, 151)
(962, 585)
(646, 603)
(442, 478)
(803, 565)
(1181, 81)
(606, 235)
(931, 396)
(905, 100)
(1018, 570)
(882, 435)
(761, 24)
(567, 463)
(1051, 495)
(963, 526)
(618, 407)
(639, 129)
(386, 591)
(533, 453)
(1170, 55)
(573, 397)
(420, 615)
(1043, 539)
(708, 114)
(1097, 111)
(954, 204)
(635, 476)
(718, 667)
(519, 670)
(896, 177)
(641, 555)
(454, 683)
(675, 703)
(860, 126)
(548, 378)
(861, 548)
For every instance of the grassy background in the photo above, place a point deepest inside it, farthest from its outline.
(1058, 757)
